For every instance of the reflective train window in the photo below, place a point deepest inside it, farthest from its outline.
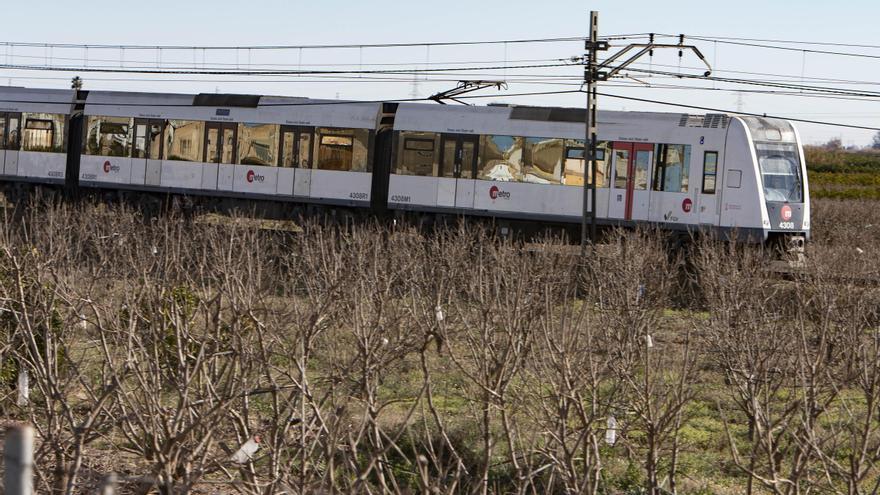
(343, 149)
(501, 158)
(710, 169)
(156, 140)
(108, 136)
(621, 165)
(43, 132)
(673, 167)
(780, 171)
(183, 140)
(417, 153)
(641, 170)
(574, 163)
(257, 144)
(2, 131)
(13, 122)
(542, 160)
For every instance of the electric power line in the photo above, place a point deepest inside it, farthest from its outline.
(719, 110)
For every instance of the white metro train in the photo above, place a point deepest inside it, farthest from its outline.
(720, 173)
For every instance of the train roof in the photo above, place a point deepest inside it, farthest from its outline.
(535, 121)
(233, 108)
(16, 99)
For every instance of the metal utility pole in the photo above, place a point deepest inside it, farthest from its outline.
(593, 73)
(592, 46)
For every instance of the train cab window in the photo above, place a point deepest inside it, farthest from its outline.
(501, 158)
(155, 140)
(574, 163)
(257, 144)
(43, 132)
(343, 149)
(417, 154)
(673, 167)
(710, 169)
(184, 140)
(108, 136)
(542, 160)
(2, 131)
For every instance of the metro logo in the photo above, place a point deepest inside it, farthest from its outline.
(785, 212)
(687, 205)
(253, 176)
(496, 193)
(108, 167)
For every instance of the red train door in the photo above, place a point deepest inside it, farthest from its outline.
(632, 163)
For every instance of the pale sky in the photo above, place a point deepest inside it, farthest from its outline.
(228, 23)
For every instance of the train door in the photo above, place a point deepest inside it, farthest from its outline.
(295, 174)
(140, 152)
(620, 204)
(155, 148)
(708, 206)
(2, 141)
(640, 188)
(458, 162)
(12, 143)
(630, 194)
(220, 144)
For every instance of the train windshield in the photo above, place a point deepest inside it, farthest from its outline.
(780, 171)
(778, 158)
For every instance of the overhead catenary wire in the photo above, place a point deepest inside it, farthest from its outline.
(732, 112)
(111, 46)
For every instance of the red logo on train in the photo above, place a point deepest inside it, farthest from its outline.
(250, 176)
(107, 167)
(496, 193)
(687, 205)
(786, 213)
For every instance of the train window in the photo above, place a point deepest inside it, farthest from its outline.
(501, 158)
(108, 136)
(43, 132)
(417, 153)
(343, 149)
(574, 163)
(673, 167)
(710, 169)
(780, 171)
(621, 165)
(2, 131)
(542, 160)
(140, 140)
(12, 133)
(183, 140)
(155, 140)
(640, 173)
(257, 144)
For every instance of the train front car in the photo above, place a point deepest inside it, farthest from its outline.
(779, 163)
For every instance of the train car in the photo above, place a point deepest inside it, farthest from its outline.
(290, 149)
(719, 173)
(33, 134)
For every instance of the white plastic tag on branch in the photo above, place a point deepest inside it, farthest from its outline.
(649, 341)
(247, 451)
(24, 391)
(438, 313)
(611, 431)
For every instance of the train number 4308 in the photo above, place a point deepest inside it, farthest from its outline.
(786, 225)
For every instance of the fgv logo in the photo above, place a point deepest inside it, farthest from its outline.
(252, 176)
(496, 193)
(108, 167)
